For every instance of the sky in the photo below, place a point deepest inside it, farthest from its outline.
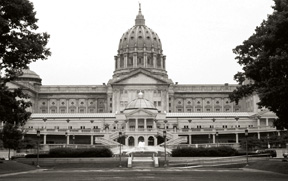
(197, 37)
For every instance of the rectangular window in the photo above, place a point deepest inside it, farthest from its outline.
(69, 127)
(110, 104)
(224, 126)
(72, 110)
(155, 103)
(95, 127)
(211, 126)
(198, 126)
(91, 110)
(81, 110)
(62, 111)
(217, 110)
(179, 110)
(82, 127)
(43, 111)
(227, 110)
(189, 110)
(100, 110)
(198, 110)
(159, 103)
(208, 110)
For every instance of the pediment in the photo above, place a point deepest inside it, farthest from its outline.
(141, 113)
(140, 76)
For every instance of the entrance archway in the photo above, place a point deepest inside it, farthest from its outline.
(131, 141)
(151, 141)
(140, 139)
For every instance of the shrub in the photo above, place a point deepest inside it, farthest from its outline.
(204, 152)
(73, 152)
(83, 152)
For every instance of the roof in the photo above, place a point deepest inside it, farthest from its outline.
(210, 115)
(72, 115)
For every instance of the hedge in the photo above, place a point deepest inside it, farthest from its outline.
(73, 152)
(204, 152)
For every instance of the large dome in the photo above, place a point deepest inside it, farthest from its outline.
(30, 76)
(140, 36)
(140, 47)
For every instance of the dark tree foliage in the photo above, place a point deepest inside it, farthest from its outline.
(264, 58)
(11, 137)
(20, 45)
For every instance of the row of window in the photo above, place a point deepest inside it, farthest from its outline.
(72, 111)
(223, 126)
(69, 127)
(206, 110)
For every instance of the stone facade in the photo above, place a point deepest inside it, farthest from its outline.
(192, 114)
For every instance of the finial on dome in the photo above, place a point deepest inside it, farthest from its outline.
(139, 6)
(139, 18)
(140, 95)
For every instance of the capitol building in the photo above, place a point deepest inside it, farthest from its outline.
(140, 102)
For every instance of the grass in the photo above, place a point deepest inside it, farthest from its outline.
(272, 165)
(13, 166)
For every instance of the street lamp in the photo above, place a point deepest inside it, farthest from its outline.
(246, 135)
(164, 135)
(216, 134)
(38, 137)
(120, 134)
(66, 134)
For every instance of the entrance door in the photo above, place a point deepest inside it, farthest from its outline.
(151, 141)
(131, 141)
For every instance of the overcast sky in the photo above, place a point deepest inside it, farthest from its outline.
(197, 37)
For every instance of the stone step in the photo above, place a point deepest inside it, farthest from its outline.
(142, 159)
(143, 164)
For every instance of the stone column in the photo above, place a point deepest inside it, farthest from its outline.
(48, 104)
(44, 139)
(125, 60)
(145, 60)
(237, 138)
(154, 125)
(278, 133)
(258, 123)
(136, 140)
(267, 122)
(126, 140)
(67, 139)
(135, 60)
(214, 139)
(136, 124)
(127, 125)
(155, 141)
(92, 139)
(146, 139)
(145, 125)
(190, 139)
(258, 135)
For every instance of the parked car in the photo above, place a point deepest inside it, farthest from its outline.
(272, 152)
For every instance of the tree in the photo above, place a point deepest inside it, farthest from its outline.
(11, 137)
(20, 45)
(264, 58)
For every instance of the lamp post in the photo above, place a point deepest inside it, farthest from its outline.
(38, 137)
(120, 134)
(164, 135)
(246, 135)
(66, 134)
(216, 134)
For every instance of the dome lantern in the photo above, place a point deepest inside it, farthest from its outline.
(139, 18)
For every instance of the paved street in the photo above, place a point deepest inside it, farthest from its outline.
(146, 174)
